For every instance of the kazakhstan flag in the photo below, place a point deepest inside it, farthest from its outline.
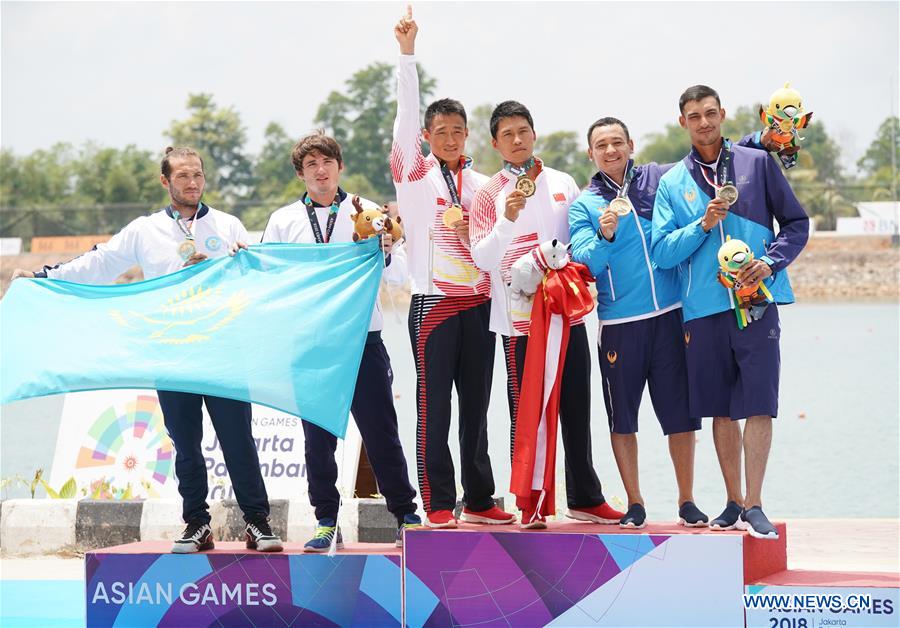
(283, 325)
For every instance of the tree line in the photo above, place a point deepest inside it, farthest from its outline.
(97, 189)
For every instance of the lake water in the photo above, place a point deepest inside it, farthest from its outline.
(835, 447)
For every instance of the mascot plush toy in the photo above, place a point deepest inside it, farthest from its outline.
(369, 222)
(784, 116)
(528, 271)
(558, 292)
(749, 302)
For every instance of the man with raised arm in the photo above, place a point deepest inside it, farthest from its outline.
(450, 309)
(718, 191)
(522, 206)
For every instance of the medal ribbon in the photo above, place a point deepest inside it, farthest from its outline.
(314, 220)
(629, 175)
(722, 168)
(186, 230)
(455, 187)
(519, 170)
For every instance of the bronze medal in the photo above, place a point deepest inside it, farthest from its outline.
(728, 193)
(525, 185)
(452, 214)
(186, 249)
(620, 206)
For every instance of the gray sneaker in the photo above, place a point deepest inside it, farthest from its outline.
(260, 537)
(690, 516)
(197, 537)
(730, 519)
(758, 525)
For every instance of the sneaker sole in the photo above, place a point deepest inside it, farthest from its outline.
(772, 536)
(265, 546)
(449, 525)
(583, 516)
(686, 524)
(491, 522)
(192, 549)
(324, 550)
(632, 526)
(737, 525)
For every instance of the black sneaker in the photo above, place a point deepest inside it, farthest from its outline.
(260, 537)
(410, 522)
(197, 537)
(758, 525)
(730, 519)
(635, 518)
(690, 516)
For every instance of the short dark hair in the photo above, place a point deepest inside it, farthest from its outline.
(697, 92)
(165, 166)
(316, 142)
(445, 107)
(607, 121)
(509, 109)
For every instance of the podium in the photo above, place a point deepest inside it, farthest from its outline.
(142, 584)
(571, 574)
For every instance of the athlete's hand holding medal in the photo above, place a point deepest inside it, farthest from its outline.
(609, 222)
(515, 202)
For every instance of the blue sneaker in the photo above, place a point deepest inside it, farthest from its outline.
(635, 518)
(321, 542)
(730, 519)
(410, 522)
(690, 516)
(758, 525)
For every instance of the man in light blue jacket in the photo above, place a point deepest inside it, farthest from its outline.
(720, 190)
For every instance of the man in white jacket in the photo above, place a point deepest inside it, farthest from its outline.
(185, 233)
(522, 206)
(322, 215)
(450, 307)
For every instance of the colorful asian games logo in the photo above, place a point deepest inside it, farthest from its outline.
(131, 447)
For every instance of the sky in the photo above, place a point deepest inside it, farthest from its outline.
(118, 73)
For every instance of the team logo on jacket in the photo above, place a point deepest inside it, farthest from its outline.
(559, 197)
(690, 195)
(687, 338)
(191, 315)
(611, 357)
(213, 243)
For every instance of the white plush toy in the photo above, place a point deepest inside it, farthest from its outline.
(528, 271)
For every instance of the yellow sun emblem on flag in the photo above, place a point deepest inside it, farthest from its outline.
(191, 315)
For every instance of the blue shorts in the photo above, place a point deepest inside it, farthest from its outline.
(648, 351)
(733, 372)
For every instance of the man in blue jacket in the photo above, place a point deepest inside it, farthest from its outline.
(721, 190)
(640, 310)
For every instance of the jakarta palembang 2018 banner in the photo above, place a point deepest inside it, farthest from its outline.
(114, 442)
(281, 325)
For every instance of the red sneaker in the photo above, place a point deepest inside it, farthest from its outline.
(532, 522)
(491, 516)
(440, 519)
(604, 513)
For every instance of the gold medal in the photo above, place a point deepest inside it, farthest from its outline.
(452, 214)
(620, 206)
(186, 249)
(525, 185)
(728, 193)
